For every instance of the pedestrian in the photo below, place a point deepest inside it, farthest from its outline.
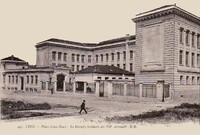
(83, 107)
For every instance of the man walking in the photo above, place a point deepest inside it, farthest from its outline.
(83, 107)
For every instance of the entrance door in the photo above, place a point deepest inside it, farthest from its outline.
(22, 83)
(60, 79)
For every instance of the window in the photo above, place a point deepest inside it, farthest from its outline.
(180, 57)
(124, 55)
(83, 58)
(192, 60)
(82, 67)
(89, 58)
(193, 34)
(187, 37)
(53, 55)
(187, 59)
(118, 65)
(77, 57)
(101, 57)
(4, 78)
(36, 79)
(198, 60)
(198, 80)
(59, 56)
(131, 54)
(193, 81)
(72, 67)
(65, 57)
(27, 79)
(73, 57)
(181, 35)
(16, 80)
(106, 57)
(96, 58)
(187, 80)
(77, 68)
(198, 41)
(112, 56)
(118, 56)
(131, 66)
(181, 80)
(124, 66)
(31, 79)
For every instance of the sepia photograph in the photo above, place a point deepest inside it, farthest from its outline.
(100, 67)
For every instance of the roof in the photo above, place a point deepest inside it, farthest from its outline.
(104, 69)
(12, 58)
(93, 45)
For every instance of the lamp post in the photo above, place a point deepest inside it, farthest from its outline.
(163, 94)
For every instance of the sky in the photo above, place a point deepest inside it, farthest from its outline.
(24, 23)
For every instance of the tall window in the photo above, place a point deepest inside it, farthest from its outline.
(73, 57)
(198, 41)
(82, 67)
(72, 67)
(198, 80)
(77, 68)
(187, 37)
(101, 57)
(106, 57)
(193, 34)
(16, 80)
(83, 58)
(187, 58)
(89, 58)
(124, 66)
(193, 80)
(131, 66)
(180, 57)
(53, 55)
(192, 60)
(96, 58)
(198, 60)
(124, 55)
(65, 57)
(77, 57)
(187, 80)
(118, 56)
(59, 55)
(131, 54)
(27, 79)
(36, 79)
(118, 65)
(113, 56)
(31, 79)
(181, 35)
(181, 80)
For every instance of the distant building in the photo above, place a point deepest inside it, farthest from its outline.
(166, 48)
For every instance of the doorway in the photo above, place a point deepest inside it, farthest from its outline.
(60, 82)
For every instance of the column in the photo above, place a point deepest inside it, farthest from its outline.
(55, 86)
(85, 87)
(127, 52)
(97, 89)
(140, 90)
(110, 89)
(125, 88)
(74, 87)
(46, 86)
(170, 90)
(159, 90)
(64, 86)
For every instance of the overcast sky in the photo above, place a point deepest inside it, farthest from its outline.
(24, 23)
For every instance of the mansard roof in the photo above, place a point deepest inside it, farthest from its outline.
(166, 10)
(58, 42)
(104, 69)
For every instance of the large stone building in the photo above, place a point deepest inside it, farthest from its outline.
(165, 48)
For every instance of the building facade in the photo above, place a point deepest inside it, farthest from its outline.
(165, 48)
